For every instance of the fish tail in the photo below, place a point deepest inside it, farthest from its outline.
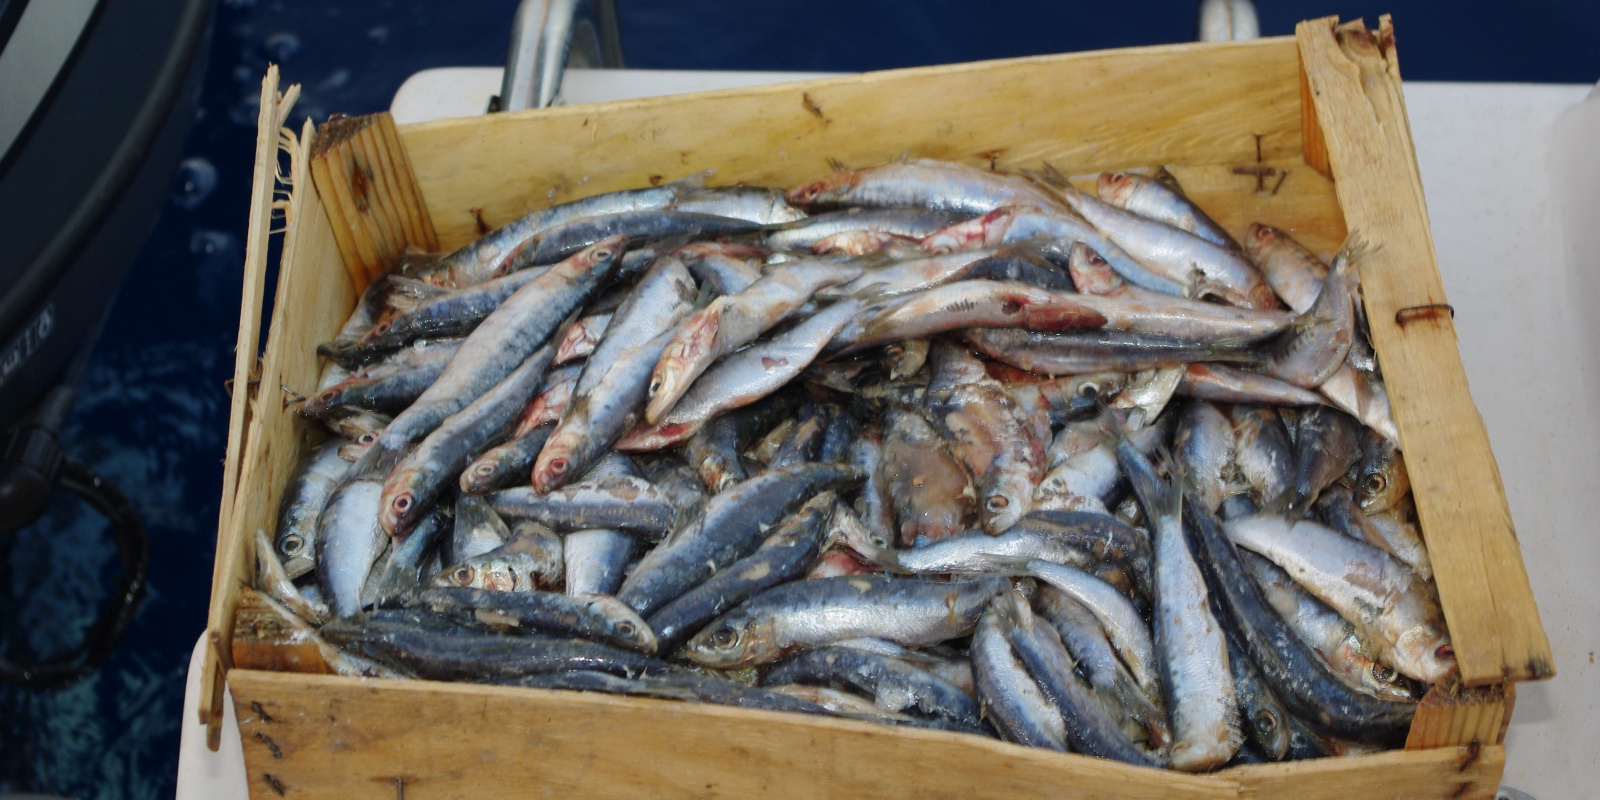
(379, 460)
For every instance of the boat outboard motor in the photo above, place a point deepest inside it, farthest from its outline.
(96, 100)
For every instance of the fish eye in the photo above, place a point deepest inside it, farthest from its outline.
(402, 503)
(558, 466)
(625, 628)
(602, 255)
(1088, 391)
(1266, 722)
(1445, 652)
(724, 638)
(1375, 483)
(1383, 674)
(367, 438)
(878, 541)
(292, 544)
(655, 386)
(329, 396)
(462, 576)
(996, 503)
(486, 468)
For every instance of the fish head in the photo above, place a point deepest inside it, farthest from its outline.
(1116, 187)
(1385, 681)
(1090, 273)
(831, 190)
(1259, 238)
(686, 355)
(557, 462)
(465, 574)
(402, 503)
(1424, 652)
(1002, 507)
(623, 623)
(602, 252)
(1270, 729)
(733, 641)
(478, 476)
(292, 546)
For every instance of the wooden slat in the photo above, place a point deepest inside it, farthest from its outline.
(312, 302)
(1451, 773)
(570, 744)
(1081, 111)
(1448, 717)
(263, 639)
(1488, 604)
(274, 109)
(371, 193)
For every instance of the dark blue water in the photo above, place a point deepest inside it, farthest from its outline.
(152, 413)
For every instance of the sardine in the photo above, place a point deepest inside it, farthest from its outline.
(894, 685)
(437, 651)
(596, 560)
(1010, 698)
(785, 555)
(387, 389)
(505, 249)
(1262, 452)
(1346, 650)
(619, 502)
(805, 234)
(609, 396)
(751, 203)
(1220, 383)
(602, 619)
(1327, 443)
(349, 541)
(1300, 677)
(1193, 655)
(1158, 201)
(440, 458)
(1266, 721)
(1205, 450)
(1143, 719)
(477, 530)
(1322, 339)
(506, 464)
(529, 561)
(733, 321)
(1382, 480)
(929, 489)
(730, 527)
(744, 377)
(939, 185)
(1090, 729)
(828, 610)
(1121, 621)
(561, 241)
(455, 313)
(309, 489)
(581, 337)
(501, 343)
(1174, 253)
(721, 267)
(987, 432)
(1295, 273)
(1391, 531)
(1364, 584)
(714, 449)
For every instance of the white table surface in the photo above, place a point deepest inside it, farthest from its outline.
(1512, 178)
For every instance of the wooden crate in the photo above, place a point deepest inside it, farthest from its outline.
(1307, 133)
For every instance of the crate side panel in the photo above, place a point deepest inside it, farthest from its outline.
(348, 738)
(1449, 773)
(1187, 103)
(1466, 522)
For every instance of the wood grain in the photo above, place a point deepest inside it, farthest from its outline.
(370, 191)
(1450, 716)
(263, 639)
(1483, 586)
(1449, 773)
(1187, 103)
(273, 111)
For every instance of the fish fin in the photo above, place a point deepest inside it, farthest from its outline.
(836, 165)
(695, 182)
(342, 351)
(406, 294)
(1050, 177)
(474, 511)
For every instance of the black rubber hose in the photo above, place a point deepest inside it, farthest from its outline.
(133, 548)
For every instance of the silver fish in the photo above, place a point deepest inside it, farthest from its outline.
(304, 498)
(349, 542)
(1151, 198)
(941, 185)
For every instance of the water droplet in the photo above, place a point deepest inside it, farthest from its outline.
(336, 80)
(379, 35)
(197, 179)
(280, 47)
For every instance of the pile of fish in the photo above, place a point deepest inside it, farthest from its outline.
(916, 443)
